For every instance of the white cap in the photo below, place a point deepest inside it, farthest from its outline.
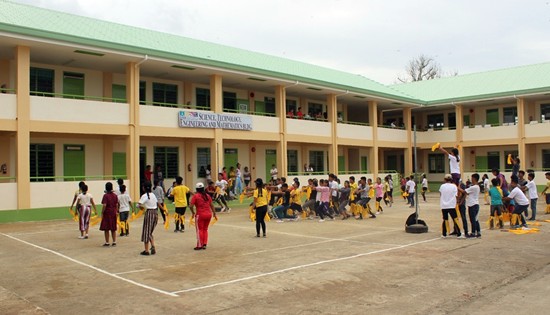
(199, 185)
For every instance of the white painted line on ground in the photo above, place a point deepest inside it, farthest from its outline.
(91, 267)
(131, 271)
(45, 231)
(301, 267)
(327, 240)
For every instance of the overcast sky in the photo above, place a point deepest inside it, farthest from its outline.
(374, 38)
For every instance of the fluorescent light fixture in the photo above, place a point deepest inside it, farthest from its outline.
(257, 79)
(314, 88)
(91, 53)
(359, 96)
(183, 67)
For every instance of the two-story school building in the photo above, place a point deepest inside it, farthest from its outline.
(85, 99)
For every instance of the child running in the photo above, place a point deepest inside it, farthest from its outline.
(379, 192)
(180, 199)
(533, 195)
(324, 192)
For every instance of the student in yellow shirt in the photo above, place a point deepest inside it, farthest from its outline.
(260, 204)
(180, 193)
(296, 198)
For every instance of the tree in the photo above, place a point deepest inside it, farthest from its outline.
(422, 68)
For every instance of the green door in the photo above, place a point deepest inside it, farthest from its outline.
(466, 120)
(259, 107)
(492, 117)
(142, 164)
(119, 93)
(482, 163)
(73, 85)
(119, 164)
(230, 158)
(270, 159)
(364, 165)
(73, 162)
(341, 164)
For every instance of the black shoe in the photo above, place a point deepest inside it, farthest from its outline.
(153, 250)
(106, 245)
(257, 235)
(265, 235)
(144, 253)
(204, 246)
(121, 234)
(372, 216)
(197, 248)
(114, 244)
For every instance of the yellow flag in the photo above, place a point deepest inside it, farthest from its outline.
(192, 220)
(267, 218)
(252, 214)
(509, 159)
(241, 197)
(435, 146)
(213, 221)
(95, 220)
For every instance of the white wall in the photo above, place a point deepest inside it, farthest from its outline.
(69, 110)
(9, 106)
(389, 134)
(354, 132)
(490, 133)
(308, 127)
(9, 190)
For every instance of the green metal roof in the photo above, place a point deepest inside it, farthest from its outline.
(484, 85)
(54, 25)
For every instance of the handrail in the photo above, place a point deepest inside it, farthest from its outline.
(391, 127)
(249, 112)
(347, 122)
(76, 178)
(7, 91)
(83, 97)
(10, 179)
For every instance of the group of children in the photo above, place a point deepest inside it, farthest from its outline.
(327, 198)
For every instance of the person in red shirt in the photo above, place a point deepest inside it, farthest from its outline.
(147, 173)
(202, 203)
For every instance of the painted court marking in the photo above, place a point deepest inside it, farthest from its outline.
(91, 267)
(327, 240)
(302, 266)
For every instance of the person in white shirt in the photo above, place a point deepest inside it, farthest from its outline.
(222, 185)
(333, 185)
(521, 201)
(274, 174)
(424, 187)
(447, 202)
(454, 166)
(124, 206)
(486, 187)
(472, 202)
(533, 195)
(410, 188)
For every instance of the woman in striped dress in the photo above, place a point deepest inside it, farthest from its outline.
(149, 203)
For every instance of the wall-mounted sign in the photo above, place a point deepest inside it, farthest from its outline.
(193, 119)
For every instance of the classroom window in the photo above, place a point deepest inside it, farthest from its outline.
(269, 105)
(41, 81)
(436, 121)
(315, 110)
(167, 158)
(291, 105)
(230, 101)
(292, 160)
(451, 119)
(546, 160)
(203, 160)
(165, 93)
(317, 159)
(544, 112)
(436, 163)
(42, 160)
(203, 98)
(510, 114)
(142, 92)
